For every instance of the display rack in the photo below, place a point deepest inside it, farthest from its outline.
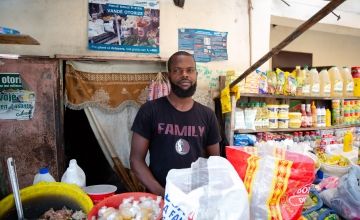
(255, 95)
(17, 39)
(247, 131)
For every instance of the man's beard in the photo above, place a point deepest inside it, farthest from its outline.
(183, 93)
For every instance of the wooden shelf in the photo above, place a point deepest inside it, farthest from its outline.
(246, 131)
(17, 39)
(110, 58)
(255, 95)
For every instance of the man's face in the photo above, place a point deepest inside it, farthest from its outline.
(182, 76)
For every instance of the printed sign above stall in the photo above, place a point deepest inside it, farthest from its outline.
(206, 45)
(124, 25)
(15, 102)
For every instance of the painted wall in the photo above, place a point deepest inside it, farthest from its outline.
(61, 27)
(327, 48)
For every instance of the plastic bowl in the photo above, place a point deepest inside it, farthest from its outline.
(99, 192)
(335, 170)
(116, 200)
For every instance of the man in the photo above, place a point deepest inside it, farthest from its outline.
(175, 129)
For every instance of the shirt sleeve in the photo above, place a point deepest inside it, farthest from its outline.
(142, 123)
(214, 132)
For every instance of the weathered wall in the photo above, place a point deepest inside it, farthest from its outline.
(33, 143)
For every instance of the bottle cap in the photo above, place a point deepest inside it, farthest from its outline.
(43, 170)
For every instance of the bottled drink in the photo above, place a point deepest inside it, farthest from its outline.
(309, 116)
(306, 89)
(43, 175)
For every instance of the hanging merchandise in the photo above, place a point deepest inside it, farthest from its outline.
(158, 87)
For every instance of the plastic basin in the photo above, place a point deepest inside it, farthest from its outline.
(116, 200)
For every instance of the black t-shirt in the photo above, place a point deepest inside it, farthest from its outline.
(176, 138)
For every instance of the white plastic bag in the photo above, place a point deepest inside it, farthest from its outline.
(210, 189)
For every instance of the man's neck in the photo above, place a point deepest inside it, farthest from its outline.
(181, 104)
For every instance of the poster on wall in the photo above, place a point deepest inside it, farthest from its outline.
(206, 45)
(124, 26)
(15, 102)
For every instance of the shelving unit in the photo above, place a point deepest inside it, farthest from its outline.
(17, 39)
(254, 95)
(247, 131)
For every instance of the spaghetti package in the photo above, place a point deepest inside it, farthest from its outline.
(278, 181)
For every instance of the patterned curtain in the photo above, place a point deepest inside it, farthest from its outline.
(110, 99)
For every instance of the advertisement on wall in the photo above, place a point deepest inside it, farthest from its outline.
(124, 26)
(205, 45)
(15, 102)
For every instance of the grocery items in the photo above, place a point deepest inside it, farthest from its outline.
(300, 77)
(348, 139)
(74, 174)
(210, 189)
(336, 82)
(315, 82)
(306, 89)
(355, 72)
(43, 175)
(269, 169)
(348, 83)
(325, 84)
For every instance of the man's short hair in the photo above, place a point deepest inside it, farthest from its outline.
(179, 53)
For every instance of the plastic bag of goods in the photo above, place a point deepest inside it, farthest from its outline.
(278, 181)
(210, 189)
(345, 199)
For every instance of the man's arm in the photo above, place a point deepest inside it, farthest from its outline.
(213, 150)
(139, 149)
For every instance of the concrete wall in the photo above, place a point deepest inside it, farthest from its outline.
(61, 27)
(327, 48)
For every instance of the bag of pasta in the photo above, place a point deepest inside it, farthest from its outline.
(278, 181)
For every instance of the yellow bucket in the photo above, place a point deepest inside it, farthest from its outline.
(39, 198)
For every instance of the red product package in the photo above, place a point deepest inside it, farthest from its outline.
(278, 181)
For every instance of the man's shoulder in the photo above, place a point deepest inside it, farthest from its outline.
(154, 103)
(203, 108)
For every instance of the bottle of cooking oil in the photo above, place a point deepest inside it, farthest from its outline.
(348, 83)
(336, 82)
(325, 84)
(300, 77)
(306, 89)
(315, 82)
(348, 138)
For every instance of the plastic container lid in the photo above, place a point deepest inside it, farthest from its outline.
(43, 170)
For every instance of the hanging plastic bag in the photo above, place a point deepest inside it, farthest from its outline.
(345, 199)
(158, 87)
(210, 189)
(278, 181)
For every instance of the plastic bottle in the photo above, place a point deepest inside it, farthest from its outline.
(314, 115)
(304, 119)
(315, 82)
(74, 174)
(306, 89)
(348, 83)
(323, 117)
(348, 138)
(300, 77)
(43, 175)
(336, 82)
(328, 118)
(309, 116)
(325, 84)
(355, 72)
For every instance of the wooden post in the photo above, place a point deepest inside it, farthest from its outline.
(301, 29)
